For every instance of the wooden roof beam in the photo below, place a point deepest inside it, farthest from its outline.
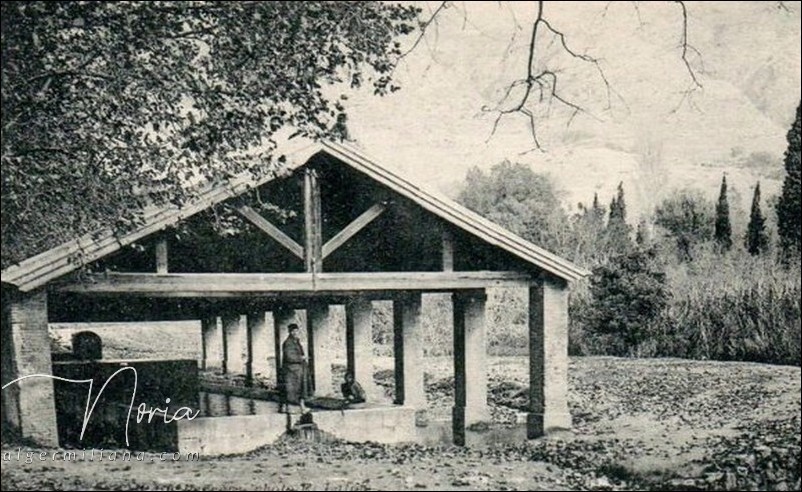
(267, 284)
(353, 228)
(268, 228)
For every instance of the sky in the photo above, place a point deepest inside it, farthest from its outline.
(746, 56)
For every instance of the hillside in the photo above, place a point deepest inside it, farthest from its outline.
(651, 138)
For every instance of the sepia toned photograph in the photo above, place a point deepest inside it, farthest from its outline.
(401, 245)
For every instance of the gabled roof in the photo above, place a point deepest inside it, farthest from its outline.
(61, 260)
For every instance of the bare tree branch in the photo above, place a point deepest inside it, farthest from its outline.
(583, 57)
(424, 26)
(514, 17)
(606, 8)
(545, 82)
(686, 46)
(637, 12)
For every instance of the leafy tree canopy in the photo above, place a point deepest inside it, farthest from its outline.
(517, 198)
(688, 217)
(110, 106)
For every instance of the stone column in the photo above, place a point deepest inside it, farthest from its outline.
(359, 344)
(261, 341)
(235, 344)
(470, 363)
(320, 329)
(28, 404)
(408, 351)
(212, 336)
(548, 357)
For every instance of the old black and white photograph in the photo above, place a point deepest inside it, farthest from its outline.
(401, 245)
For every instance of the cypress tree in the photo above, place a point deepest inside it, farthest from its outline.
(598, 210)
(789, 207)
(618, 208)
(622, 206)
(723, 234)
(756, 240)
(642, 234)
(617, 232)
(613, 211)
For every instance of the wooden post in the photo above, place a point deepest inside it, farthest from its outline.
(448, 251)
(161, 256)
(408, 351)
(470, 363)
(548, 357)
(317, 211)
(248, 351)
(350, 349)
(398, 352)
(313, 227)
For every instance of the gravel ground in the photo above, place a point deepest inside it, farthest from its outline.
(638, 424)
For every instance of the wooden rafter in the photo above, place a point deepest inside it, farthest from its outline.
(353, 228)
(268, 228)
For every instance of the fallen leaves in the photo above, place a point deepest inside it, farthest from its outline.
(701, 426)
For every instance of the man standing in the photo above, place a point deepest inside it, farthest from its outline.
(294, 375)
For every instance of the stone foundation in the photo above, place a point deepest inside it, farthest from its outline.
(212, 436)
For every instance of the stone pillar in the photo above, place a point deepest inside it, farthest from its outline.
(470, 363)
(548, 357)
(408, 352)
(28, 404)
(212, 336)
(235, 344)
(359, 344)
(261, 348)
(320, 330)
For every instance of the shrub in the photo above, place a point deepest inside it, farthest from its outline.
(626, 297)
(733, 307)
